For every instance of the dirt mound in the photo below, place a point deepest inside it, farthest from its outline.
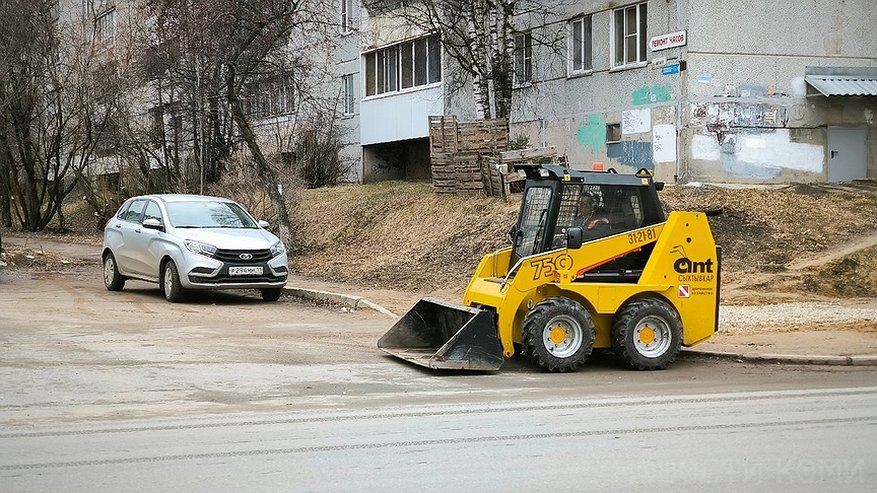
(398, 235)
(15, 258)
(405, 236)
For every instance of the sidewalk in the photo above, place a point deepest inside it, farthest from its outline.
(821, 347)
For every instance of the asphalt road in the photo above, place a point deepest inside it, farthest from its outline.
(124, 392)
(752, 441)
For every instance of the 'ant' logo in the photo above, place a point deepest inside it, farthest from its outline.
(685, 265)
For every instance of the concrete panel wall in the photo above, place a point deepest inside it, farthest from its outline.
(739, 113)
(574, 113)
(811, 28)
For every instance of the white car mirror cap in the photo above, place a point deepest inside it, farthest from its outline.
(263, 224)
(152, 223)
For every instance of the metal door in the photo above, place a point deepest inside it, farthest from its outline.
(846, 153)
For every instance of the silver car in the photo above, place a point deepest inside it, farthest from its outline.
(187, 242)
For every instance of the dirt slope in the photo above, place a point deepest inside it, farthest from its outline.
(402, 235)
(795, 243)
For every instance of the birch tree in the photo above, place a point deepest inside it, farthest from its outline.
(478, 37)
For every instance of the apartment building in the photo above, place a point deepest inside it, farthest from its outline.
(747, 92)
(393, 77)
(754, 92)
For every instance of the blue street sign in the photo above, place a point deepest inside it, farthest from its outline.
(670, 69)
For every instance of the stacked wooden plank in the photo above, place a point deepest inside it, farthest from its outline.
(467, 167)
(456, 151)
(483, 136)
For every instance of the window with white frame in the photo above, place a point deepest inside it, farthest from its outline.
(347, 94)
(580, 57)
(347, 17)
(271, 98)
(105, 26)
(629, 39)
(403, 66)
(523, 58)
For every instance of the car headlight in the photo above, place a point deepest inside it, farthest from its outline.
(277, 249)
(200, 248)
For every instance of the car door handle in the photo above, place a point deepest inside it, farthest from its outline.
(118, 226)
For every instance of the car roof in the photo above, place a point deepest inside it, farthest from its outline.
(180, 197)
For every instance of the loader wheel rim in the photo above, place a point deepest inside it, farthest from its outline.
(651, 337)
(562, 336)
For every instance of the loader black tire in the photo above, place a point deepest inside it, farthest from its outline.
(558, 317)
(647, 334)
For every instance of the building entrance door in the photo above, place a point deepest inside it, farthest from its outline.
(846, 153)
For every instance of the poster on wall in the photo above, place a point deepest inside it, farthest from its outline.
(664, 143)
(636, 121)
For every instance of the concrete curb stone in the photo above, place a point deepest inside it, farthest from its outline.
(349, 301)
(355, 302)
(794, 359)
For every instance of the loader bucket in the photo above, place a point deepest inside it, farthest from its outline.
(440, 335)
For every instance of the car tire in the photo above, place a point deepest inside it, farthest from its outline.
(170, 283)
(112, 279)
(271, 294)
(647, 335)
(558, 334)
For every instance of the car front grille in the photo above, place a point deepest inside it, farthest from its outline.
(256, 256)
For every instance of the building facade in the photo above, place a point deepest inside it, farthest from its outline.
(746, 92)
(752, 92)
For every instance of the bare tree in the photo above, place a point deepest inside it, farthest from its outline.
(478, 37)
(57, 95)
(219, 50)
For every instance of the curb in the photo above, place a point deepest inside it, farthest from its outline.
(794, 359)
(353, 302)
(356, 302)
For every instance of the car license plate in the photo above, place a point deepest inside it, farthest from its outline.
(245, 271)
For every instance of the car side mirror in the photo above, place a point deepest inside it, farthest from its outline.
(263, 224)
(518, 238)
(153, 223)
(574, 238)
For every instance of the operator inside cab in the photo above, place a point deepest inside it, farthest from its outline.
(591, 217)
(581, 209)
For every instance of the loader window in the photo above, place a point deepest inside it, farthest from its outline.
(534, 217)
(623, 207)
(573, 212)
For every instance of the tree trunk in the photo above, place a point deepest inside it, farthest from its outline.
(266, 173)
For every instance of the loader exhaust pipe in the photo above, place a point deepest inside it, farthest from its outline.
(441, 335)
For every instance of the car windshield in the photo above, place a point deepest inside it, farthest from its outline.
(208, 214)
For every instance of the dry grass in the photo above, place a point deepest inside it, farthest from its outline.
(399, 235)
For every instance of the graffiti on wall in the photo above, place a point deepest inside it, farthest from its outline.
(593, 133)
(631, 153)
(759, 153)
(652, 95)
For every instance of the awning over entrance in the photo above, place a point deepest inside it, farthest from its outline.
(844, 85)
(842, 81)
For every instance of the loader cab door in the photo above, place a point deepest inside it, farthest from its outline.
(534, 221)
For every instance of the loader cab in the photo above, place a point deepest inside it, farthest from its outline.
(556, 200)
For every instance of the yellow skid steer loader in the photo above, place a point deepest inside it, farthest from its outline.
(594, 263)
